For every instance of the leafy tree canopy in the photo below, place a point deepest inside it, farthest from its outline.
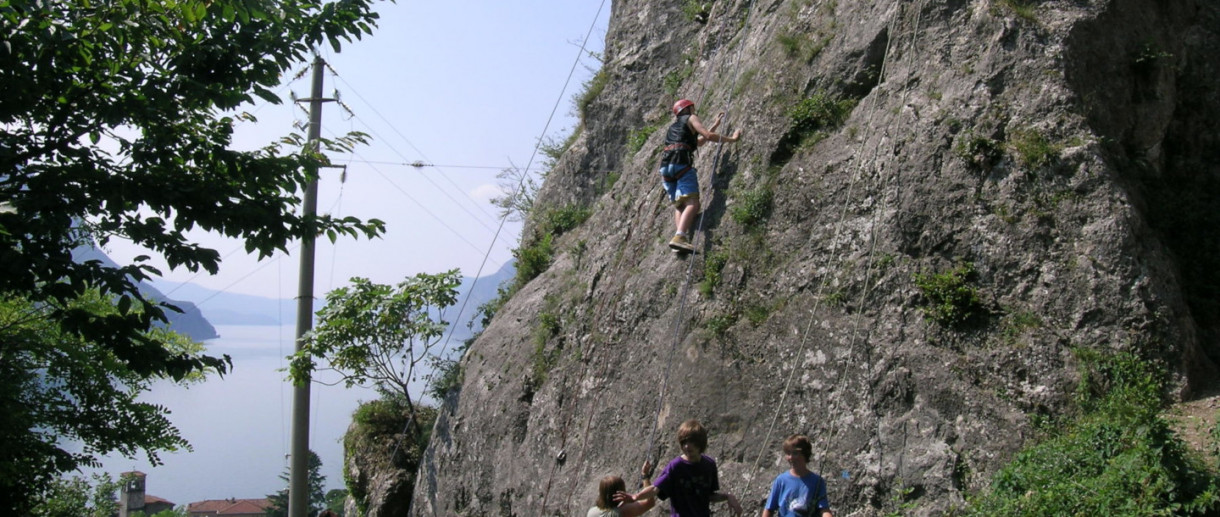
(58, 389)
(76, 497)
(376, 335)
(117, 122)
(113, 118)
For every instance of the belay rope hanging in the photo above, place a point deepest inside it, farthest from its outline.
(837, 257)
(679, 316)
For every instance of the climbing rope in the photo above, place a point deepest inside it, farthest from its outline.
(521, 188)
(528, 166)
(679, 316)
(873, 243)
(836, 256)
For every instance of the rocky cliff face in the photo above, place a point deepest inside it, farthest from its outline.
(1058, 157)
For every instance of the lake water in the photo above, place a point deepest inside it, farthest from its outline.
(240, 425)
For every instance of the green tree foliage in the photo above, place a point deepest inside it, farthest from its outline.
(58, 387)
(76, 497)
(377, 335)
(317, 491)
(335, 499)
(116, 122)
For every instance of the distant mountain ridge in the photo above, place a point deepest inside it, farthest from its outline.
(202, 308)
(190, 321)
(224, 308)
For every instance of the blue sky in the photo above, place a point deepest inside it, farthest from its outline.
(467, 85)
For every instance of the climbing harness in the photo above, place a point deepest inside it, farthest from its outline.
(677, 176)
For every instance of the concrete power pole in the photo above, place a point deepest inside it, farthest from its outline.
(298, 484)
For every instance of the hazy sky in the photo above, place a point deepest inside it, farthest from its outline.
(466, 85)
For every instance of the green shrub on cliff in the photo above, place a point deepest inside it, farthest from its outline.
(1118, 457)
(382, 438)
(951, 298)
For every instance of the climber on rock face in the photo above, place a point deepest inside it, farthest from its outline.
(678, 173)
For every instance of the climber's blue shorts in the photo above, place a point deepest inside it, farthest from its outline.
(683, 191)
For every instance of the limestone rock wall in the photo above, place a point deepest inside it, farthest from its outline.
(1066, 150)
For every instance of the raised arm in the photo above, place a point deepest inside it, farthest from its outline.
(706, 135)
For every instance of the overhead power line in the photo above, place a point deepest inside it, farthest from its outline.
(420, 165)
(408, 142)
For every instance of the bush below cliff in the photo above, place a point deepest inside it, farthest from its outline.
(381, 454)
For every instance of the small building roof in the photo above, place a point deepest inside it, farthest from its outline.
(149, 499)
(229, 507)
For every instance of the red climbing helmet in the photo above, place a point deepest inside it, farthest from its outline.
(681, 105)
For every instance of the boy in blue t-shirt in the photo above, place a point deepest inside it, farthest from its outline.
(690, 482)
(798, 492)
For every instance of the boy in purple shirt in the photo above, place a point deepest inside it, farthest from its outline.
(690, 482)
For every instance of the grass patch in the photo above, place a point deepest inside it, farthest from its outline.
(720, 324)
(745, 80)
(535, 256)
(674, 79)
(752, 207)
(638, 137)
(801, 46)
(543, 360)
(488, 310)
(1024, 9)
(1149, 58)
(553, 148)
(547, 327)
(1033, 149)
(558, 221)
(836, 298)
(980, 152)
(608, 181)
(1116, 457)
(533, 259)
(951, 297)
(791, 43)
(758, 314)
(696, 10)
(1018, 322)
(590, 91)
(713, 267)
(820, 111)
(811, 120)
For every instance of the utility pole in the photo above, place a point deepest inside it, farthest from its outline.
(298, 483)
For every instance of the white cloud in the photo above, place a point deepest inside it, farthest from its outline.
(485, 192)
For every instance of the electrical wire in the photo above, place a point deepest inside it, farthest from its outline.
(408, 141)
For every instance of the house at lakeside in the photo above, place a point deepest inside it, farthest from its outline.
(229, 507)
